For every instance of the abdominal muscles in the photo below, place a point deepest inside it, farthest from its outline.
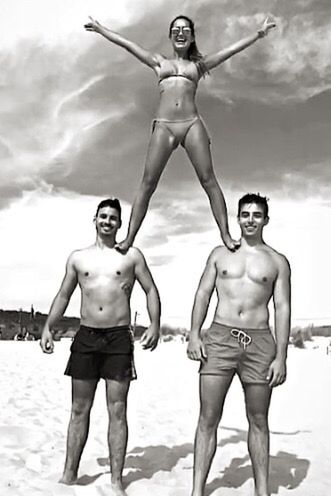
(247, 314)
(177, 99)
(100, 309)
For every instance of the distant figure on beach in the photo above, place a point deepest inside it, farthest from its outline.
(23, 335)
(103, 345)
(239, 339)
(177, 118)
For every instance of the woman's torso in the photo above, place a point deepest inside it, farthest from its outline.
(178, 80)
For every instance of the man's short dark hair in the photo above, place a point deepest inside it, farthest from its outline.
(254, 198)
(112, 203)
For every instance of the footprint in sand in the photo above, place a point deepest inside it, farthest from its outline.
(18, 437)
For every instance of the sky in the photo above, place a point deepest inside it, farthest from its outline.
(75, 119)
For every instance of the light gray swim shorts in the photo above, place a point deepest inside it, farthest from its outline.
(230, 350)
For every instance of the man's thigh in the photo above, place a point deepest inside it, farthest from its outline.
(117, 390)
(213, 391)
(257, 398)
(83, 392)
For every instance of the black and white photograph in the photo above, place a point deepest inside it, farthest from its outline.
(165, 179)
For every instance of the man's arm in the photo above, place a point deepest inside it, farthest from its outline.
(59, 304)
(217, 58)
(143, 275)
(282, 307)
(195, 349)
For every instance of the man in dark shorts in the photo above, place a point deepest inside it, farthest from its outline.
(103, 346)
(239, 339)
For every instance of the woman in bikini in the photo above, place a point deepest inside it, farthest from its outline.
(178, 121)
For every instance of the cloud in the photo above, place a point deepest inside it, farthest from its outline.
(80, 117)
(44, 226)
(76, 111)
(292, 63)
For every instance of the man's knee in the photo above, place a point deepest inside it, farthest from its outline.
(117, 410)
(209, 419)
(258, 420)
(80, 411)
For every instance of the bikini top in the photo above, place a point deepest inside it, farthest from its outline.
(185, 76)
(170, 71)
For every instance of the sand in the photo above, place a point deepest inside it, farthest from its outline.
(163, 409)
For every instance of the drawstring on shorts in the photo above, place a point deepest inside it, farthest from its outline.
(242, 337)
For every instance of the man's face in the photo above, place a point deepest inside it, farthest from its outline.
(107, 222)
(252, 220)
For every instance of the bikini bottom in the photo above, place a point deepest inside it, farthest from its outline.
(179, 128)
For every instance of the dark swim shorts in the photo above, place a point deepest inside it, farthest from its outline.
(247, 352)
(102, 353)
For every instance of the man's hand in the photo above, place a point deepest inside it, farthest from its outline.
(46, 341)
(150, 338)
(196, 349)
(277, 372)
(93, 25)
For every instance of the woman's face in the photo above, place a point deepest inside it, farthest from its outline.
(181, 34)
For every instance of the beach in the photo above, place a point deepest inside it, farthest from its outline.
(162, 413)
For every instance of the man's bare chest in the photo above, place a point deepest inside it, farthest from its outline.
(257, 269)
(104, 270)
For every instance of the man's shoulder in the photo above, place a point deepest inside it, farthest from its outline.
(133, 255)
(279, 258)
(133, 250)
(80, 253)
(216, 255)
(219, 251)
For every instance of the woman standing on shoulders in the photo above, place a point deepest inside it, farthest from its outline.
(177, 120)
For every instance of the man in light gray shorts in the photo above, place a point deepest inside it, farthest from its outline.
(239, 339)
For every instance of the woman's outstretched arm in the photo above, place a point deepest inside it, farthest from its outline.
(217, 58)
(153, 60)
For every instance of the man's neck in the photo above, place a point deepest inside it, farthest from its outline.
(105, 241)
(251, 242)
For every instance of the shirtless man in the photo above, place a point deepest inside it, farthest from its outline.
(103, 346)
(239, 339)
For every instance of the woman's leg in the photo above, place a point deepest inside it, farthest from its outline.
(161, 145)
(197, 147)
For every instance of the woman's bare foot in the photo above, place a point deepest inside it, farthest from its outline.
(230, 243)
(123, 246)
(117, 489)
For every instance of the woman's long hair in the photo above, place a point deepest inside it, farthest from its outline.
(193, 53)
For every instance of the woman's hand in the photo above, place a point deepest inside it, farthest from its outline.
(93, 25)
(266, 26)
